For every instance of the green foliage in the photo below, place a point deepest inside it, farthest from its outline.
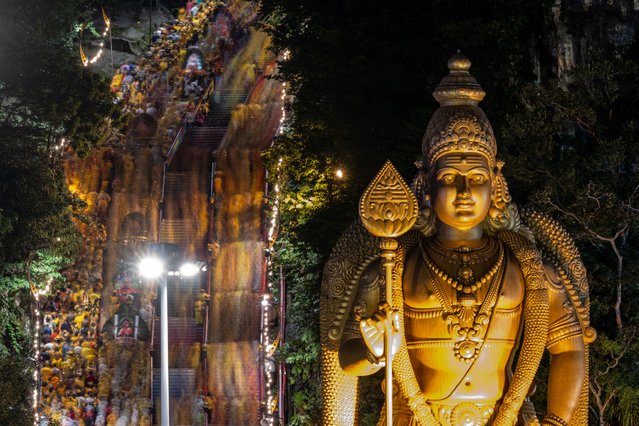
(570, 150)
(614, 381)
(17, 279)
(302, 350)
(370, 407)
(15, 391)
(362, 74)
(17, 282)
(45, 96)
(45, 93)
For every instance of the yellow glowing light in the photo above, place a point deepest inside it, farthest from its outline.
(339, 173)
(274, 220)
(85, 60)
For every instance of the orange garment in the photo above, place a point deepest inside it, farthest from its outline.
(54, 381)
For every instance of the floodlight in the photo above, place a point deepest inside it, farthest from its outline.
(151, 267)
(189, 269)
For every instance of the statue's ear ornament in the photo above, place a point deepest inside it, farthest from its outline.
(425, 222)
(501, 195)
(503, 214)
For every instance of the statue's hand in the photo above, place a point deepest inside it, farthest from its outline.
(374, 329)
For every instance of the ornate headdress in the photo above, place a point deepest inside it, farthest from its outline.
(459, 125)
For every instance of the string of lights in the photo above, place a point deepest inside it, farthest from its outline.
(285, 56)
(36, 345)
(86, 61)
(268, 346)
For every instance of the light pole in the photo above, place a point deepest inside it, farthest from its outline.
(159, 265)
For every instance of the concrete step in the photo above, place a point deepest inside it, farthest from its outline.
(181, 383)
(177, 231)
(181, 331)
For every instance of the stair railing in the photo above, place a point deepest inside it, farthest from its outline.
(179, 137)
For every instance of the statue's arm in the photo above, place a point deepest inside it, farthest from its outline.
(354, 356)
(566, 346)
(356, 359)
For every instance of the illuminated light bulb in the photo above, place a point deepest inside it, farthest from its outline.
(151, 267)
(189, 269)
(339, 173)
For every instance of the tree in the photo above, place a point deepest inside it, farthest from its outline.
(571, 152)
(361, 74)
(48, 101)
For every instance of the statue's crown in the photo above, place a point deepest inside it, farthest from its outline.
(459, 125)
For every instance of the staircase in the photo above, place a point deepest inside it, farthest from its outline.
(187, 192)
(221, 354)
(181, 383)
(222, 104)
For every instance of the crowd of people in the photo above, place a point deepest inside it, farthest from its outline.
(169, 84)
(183, 60)
(68, 355)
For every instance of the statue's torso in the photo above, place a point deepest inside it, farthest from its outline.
(444, 376)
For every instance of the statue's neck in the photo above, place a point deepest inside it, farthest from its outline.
(455, 238)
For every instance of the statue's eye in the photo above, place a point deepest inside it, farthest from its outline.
(447, 178)
(478, 179)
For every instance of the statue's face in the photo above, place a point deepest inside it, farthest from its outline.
(461, 189)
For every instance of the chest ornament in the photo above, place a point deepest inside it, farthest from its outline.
(466, 317)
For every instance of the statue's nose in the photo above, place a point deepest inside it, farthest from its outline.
(464, 187)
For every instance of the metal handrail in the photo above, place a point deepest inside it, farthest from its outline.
(180, 134)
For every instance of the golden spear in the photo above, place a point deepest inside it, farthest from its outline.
(388, 209)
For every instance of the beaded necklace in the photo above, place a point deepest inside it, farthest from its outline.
(467, 320)
(465, 281)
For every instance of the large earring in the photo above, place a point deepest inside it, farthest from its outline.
(503, 214)
(425, 222)
(497, 211)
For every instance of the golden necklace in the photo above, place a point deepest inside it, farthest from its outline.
(461, 255)
(465, 281)
(467, 320)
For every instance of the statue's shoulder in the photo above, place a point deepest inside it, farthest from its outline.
(350, 269)
(559, 253)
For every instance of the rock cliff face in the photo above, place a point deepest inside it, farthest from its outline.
(583, 27)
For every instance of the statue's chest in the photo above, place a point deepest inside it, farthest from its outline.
(439, 315)
(423, 292)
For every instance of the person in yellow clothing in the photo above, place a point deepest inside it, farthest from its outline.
(78, 320)
(116, 82)
(45, 373)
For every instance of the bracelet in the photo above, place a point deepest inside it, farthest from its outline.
(553, 420)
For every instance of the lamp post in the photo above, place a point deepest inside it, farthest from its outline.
(158, 265)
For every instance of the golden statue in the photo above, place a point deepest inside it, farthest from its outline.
(478, 289)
